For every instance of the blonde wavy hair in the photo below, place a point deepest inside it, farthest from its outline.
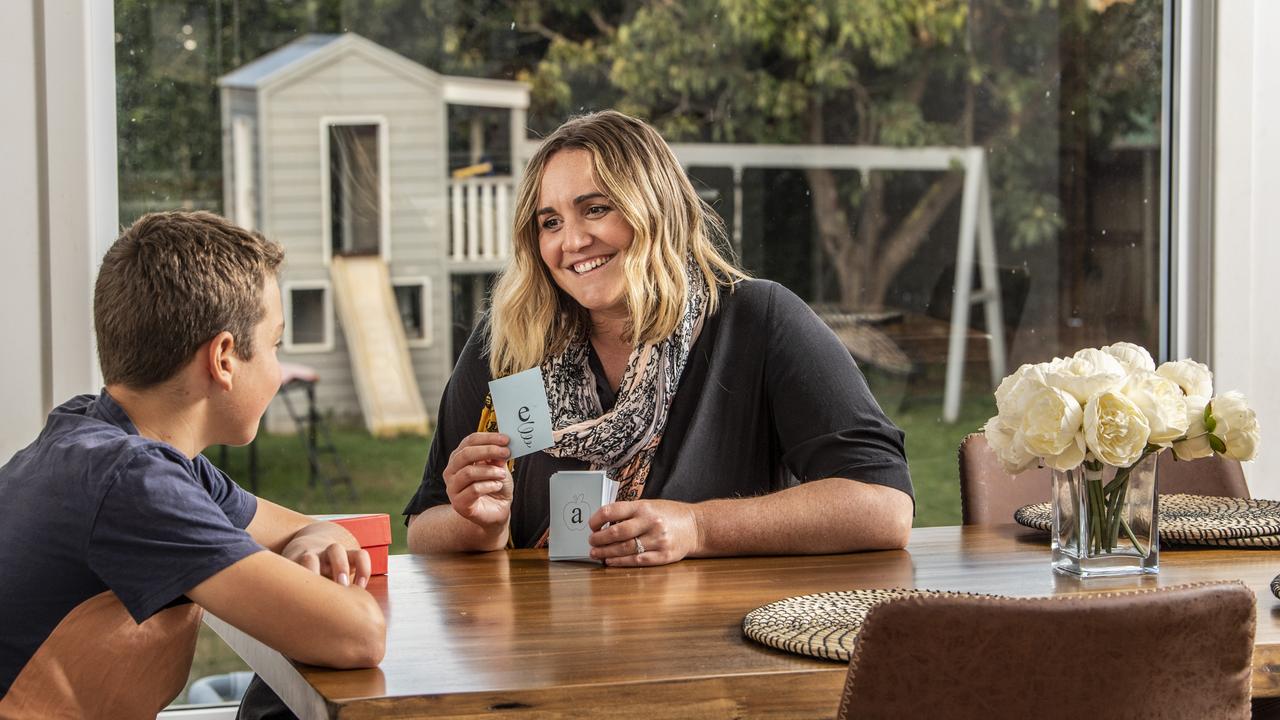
(532, 317)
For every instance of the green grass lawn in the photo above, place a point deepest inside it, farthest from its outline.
(931, 453)
(387, 472)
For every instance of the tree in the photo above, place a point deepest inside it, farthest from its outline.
(892, 72)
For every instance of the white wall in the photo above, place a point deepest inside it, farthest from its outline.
(1246, 257)
(57, 199)
(21, 388)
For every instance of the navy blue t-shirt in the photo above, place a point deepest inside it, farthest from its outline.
(91, 506)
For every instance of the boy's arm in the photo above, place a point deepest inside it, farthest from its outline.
(321, 547)
(296, 611)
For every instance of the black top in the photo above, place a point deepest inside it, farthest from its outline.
(769, 398)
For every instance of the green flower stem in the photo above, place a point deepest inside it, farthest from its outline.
(1132, 538)
(1097, 513)
(1117, 490)
(1104, 517)
(1117, 507)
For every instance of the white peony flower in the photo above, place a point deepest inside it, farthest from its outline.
(1085, 374)
(1007, 446)
(1134, 357)
(1050, 427)
(1162, 404)
(1196, 444)
(1115, 429)
(1194, 378)
(1011, 395)
(1235, 425)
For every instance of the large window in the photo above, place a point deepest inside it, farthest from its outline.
(956, 186)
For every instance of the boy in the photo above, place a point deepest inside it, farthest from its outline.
(112, 519)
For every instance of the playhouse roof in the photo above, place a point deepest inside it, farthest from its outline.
(311, 51)
(261, 71)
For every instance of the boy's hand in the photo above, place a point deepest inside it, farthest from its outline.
(330, 559)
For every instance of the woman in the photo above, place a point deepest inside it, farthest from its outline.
(706, 394)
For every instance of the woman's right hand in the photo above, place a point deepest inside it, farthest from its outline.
(477, 480)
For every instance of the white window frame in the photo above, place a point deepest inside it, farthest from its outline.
(1187, 179)
(384, 181)
(327, 310)
(428, 323)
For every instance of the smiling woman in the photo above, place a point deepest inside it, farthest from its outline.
(579, 236)
(665, 366)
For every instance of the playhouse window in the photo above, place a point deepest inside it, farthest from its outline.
(307, 325)
(411, 300)
(355, 199)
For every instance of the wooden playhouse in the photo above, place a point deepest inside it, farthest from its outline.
(339, 149)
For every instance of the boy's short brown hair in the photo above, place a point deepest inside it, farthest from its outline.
(169, 284)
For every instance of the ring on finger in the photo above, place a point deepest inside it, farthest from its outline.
(639, 546)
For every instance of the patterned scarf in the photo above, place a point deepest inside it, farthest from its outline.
(623, 440)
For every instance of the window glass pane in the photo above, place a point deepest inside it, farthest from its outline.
(409, 302)
(306, 316)
(1060, 102)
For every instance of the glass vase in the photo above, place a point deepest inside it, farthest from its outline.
(1105, 519)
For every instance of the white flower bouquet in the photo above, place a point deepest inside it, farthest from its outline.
(1113, 406)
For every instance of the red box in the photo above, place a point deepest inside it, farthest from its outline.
(372, 531)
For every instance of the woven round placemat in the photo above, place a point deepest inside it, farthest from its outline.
(824, 625)
(1196, 520)
(1275, 586)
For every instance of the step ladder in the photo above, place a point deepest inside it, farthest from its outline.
(313, 431)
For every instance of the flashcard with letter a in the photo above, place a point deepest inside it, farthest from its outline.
(575, 497)
(520, 402)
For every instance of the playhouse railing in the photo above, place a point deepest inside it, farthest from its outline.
(481, 214)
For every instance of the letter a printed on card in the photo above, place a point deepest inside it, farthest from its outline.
(575, 496)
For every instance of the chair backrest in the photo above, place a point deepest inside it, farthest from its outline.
(989, 495)
(1179, 652)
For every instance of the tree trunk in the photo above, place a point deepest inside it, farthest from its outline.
(849, 255)
(902, 246)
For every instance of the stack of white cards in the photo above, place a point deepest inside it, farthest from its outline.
(575, 497)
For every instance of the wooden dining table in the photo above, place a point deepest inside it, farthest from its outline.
(513, 634)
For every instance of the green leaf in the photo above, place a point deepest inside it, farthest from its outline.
(1210, 423)
(1218, 446)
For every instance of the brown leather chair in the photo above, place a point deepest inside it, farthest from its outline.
(989, 495)
(1178, 652)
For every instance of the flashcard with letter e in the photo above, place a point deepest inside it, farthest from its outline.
(576, 496)
(520, 402)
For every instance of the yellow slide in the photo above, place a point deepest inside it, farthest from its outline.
(380, 363)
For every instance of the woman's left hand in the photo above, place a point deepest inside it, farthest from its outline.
(644, 532)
